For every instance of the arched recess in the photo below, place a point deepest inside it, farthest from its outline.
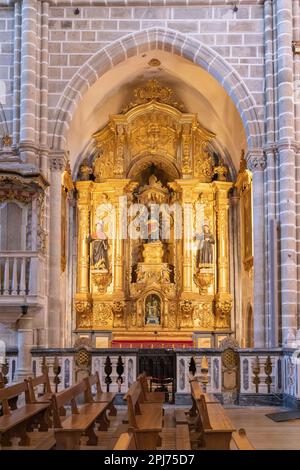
(156, 39)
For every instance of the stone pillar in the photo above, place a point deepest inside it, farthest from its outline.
(44, 87)
(286, 152)
(28, 82)
(54, 307)
(25, 343)
(256, 163)
(17, 74)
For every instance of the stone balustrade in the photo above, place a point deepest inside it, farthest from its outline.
(19, 275)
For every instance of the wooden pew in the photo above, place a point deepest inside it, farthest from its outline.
(183, 437)
(147, 396)
(18, 422)
(215, 426)
(35, 382)
(100, 396)
(145, 420)
(82, 420)
(196, 393)
(241, 440)
(126, 441)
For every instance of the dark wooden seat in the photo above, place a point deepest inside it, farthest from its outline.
(18, 422)
(241, 441)
(183, 437)
(145, 419)
(147, 396)
(82, 420)
(99, 396)
(215, 426)
(126, 441)
(196, 393)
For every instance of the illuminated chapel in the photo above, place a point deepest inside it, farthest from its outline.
(149, 213)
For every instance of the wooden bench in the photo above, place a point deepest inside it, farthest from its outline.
(18, 422)
(196, 393)
(180, 416)
(82, 420)
(183, 437)
(34, 383)
(241, 440)
(147, 396)
(145, 419)
(215, 426)
(126, 441)
(99, 396)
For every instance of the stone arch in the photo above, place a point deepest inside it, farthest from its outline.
(169, 41)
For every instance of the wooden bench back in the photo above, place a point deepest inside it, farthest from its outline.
(37, 381)
(90, 381)
(142, 378)
(1, 380)
(203, 413)
(66, 397)
(126, 441)
(133, 397)
(11, 392)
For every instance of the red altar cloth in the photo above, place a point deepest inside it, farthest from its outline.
(151, 344)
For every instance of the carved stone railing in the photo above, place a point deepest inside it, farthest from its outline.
(19, 276)
(263, 376)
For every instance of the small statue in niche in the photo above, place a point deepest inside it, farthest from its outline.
(99, 248)
(152, 305)
(205, 248)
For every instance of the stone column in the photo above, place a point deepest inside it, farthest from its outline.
(25, 343)
(44, 87)
(257, 163)
(28, 82)
(286, 152)
(54, 307)
(17, 74)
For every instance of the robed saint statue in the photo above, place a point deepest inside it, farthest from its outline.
(205, 247)
(99, 242)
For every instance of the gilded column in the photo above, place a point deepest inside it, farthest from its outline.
(83, 300)
(223, 297)
(187, 235)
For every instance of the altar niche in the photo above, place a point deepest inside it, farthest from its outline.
(133, 280)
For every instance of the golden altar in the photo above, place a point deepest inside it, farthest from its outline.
(135, 281)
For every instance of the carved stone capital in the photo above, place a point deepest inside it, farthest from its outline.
(256, 160)
(58, 161)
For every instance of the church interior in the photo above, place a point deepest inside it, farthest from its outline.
(149, 226)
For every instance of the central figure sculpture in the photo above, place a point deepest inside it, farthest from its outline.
(99, 248)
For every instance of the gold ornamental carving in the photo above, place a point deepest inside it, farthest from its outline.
(153, 252)
(203, 279)
(187, 309)
(153, 91)
(204, 316)
(118, 309)
(102, 315)
(223, 309)
(84, 313)
(101, 280)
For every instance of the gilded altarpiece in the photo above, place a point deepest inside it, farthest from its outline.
(153, 154)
